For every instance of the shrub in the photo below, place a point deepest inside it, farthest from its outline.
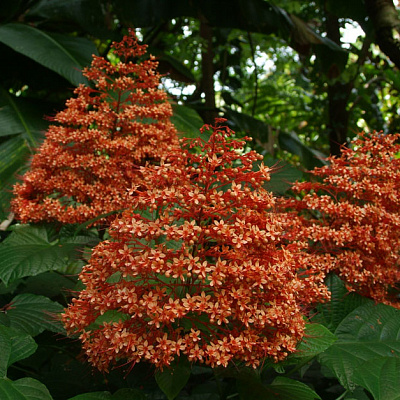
(200, 267)
(352, 217)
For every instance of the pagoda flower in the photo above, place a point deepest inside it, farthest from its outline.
(199, 267)
(92, 154)
(351, 217)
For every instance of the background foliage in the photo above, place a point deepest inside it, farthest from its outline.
(278, 71)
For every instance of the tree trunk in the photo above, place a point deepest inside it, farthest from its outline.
(207, 69)
(338, 95)
(384, 17)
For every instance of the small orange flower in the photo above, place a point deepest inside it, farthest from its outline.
(177, 277)
(91, 159)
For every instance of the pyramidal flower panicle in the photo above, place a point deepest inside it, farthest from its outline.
(199, 268)
(351, 217)
(92, 154)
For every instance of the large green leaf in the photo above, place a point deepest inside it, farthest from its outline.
(13, 156)
(187, 121)
(23, 389)
(15, 345)
(28, 252)
(251, 126)
(309, 157)
(91, 15)
(172, 380)
(63, 54)
(251, 388)
(33, 314)
(283, 175)
(381, 377)
(289, 389)
(340, 304)
(316, 339)
(371, 330)
(20, 116)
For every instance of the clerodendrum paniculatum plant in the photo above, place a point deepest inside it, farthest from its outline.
(92, 156)
(199, 267)
(351, 217)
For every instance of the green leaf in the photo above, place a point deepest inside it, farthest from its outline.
(381, 377)
(29, 252)
(341, 303)
(309, 157)
(316, 339)
(65, 55)
(23, 389)
(90, 15)
(122, 394)
(23, 116)
(108, 317)
(14, 346)
(250, 387)
(251, 126)
(188, 122)
(129, 394)
(33, 314)
(367, 332)
(282, 176)
(13, 156)
(172, 380)
(93, 396)
(289, 389)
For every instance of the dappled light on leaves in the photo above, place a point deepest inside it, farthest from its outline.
(200, 267)
(92, 156)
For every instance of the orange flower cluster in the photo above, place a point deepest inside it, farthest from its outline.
(352, 217)
(199, 268)
(92, 157)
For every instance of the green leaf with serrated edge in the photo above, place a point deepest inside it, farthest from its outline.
(5, 353)
(289, 389)
(23, 389)
(371, 330)
(29, 252)
(188, 122)
(63, 54)
(316, 339)
(173, 379)
(381, 377)
(341, 303)
(14, 346)
(33, 314)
